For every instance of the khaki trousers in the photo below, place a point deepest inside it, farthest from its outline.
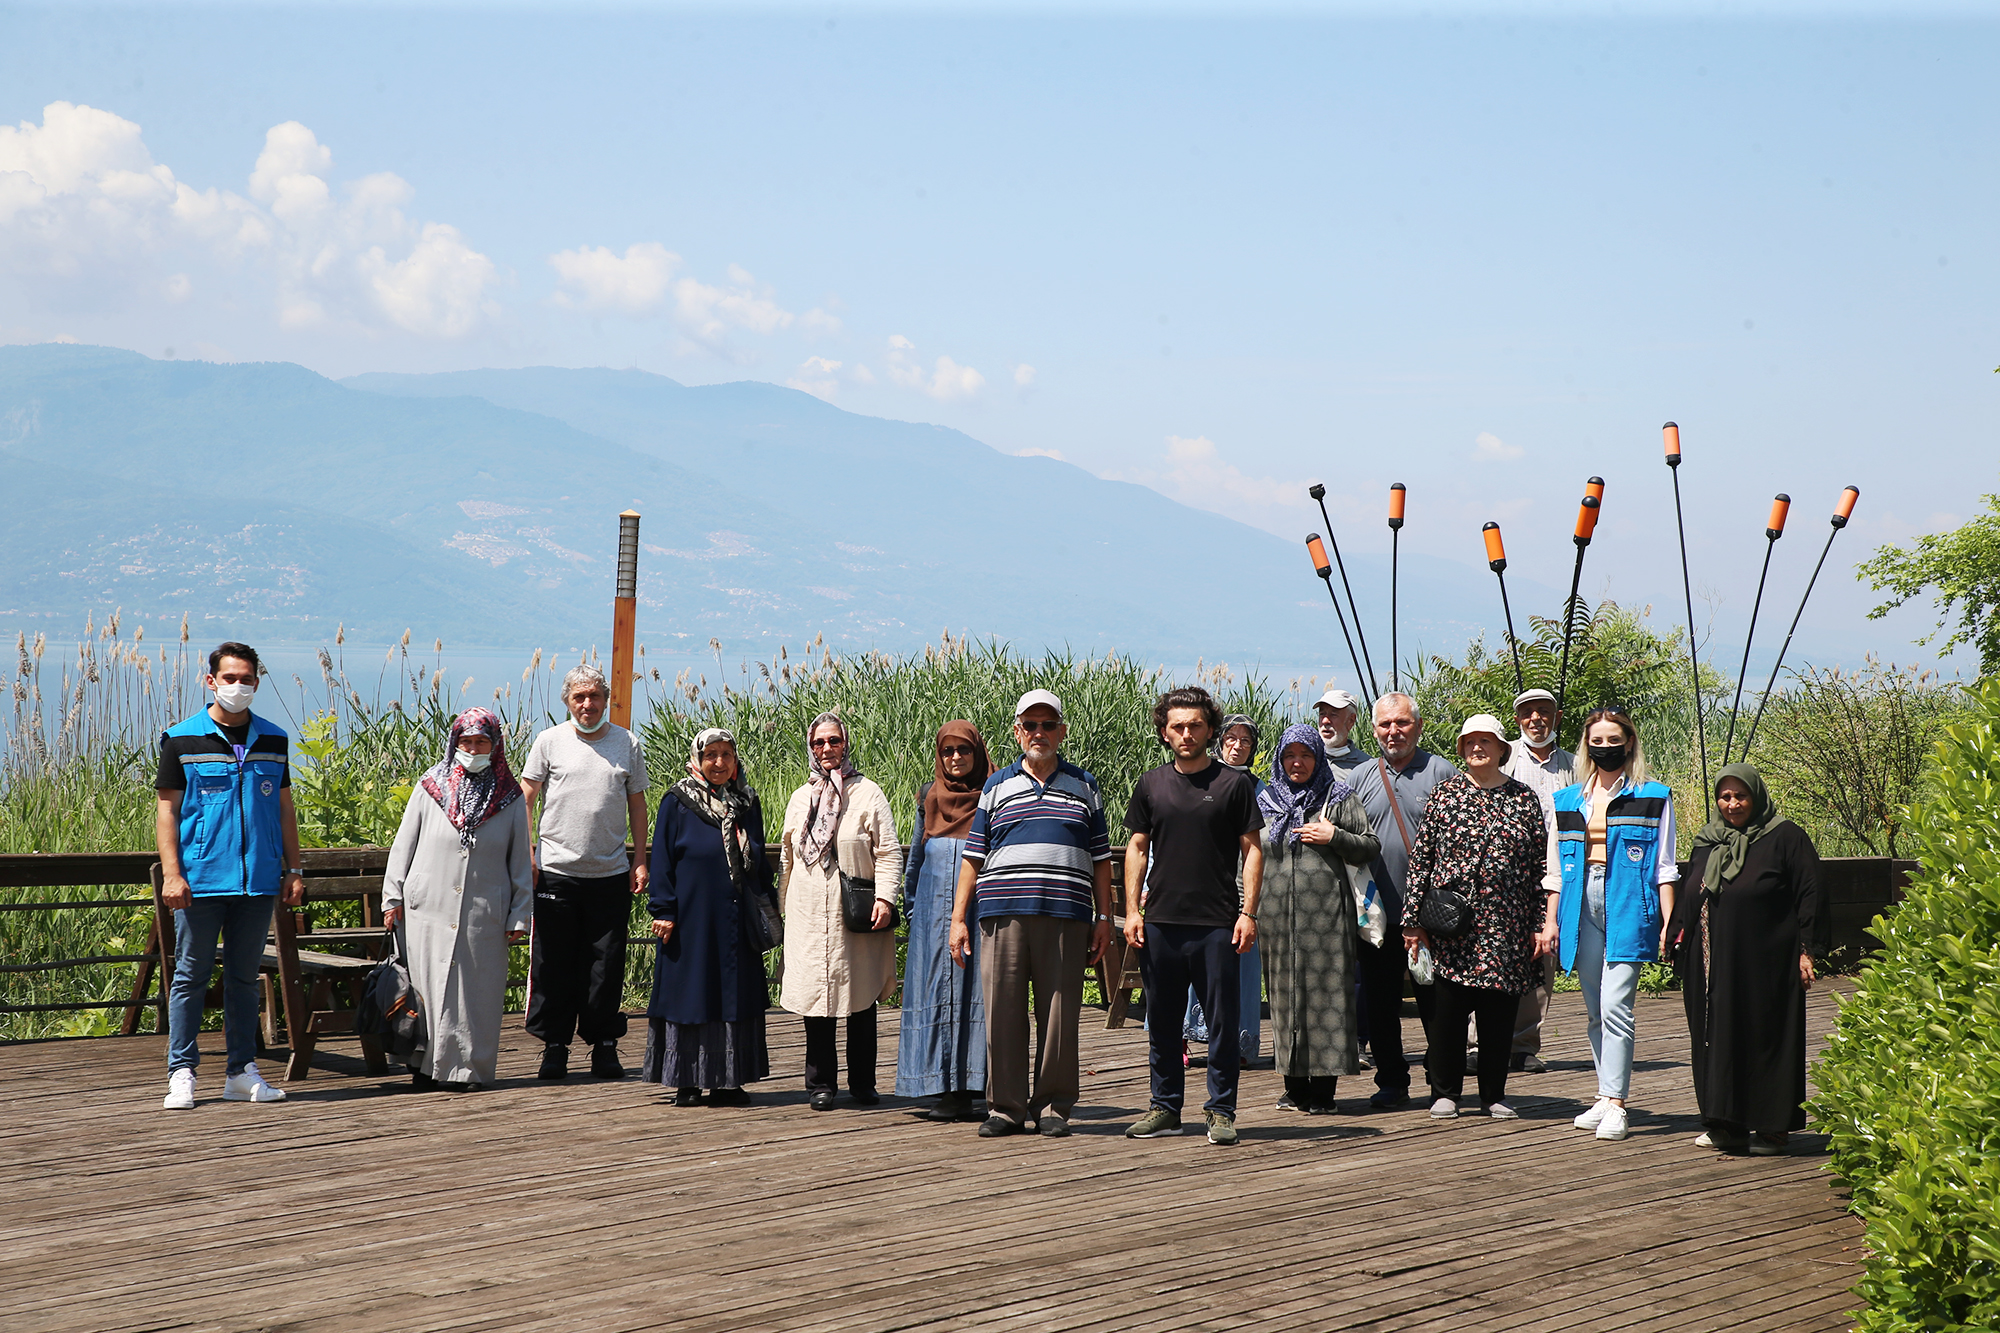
(1534, 1008)
(1047, 954)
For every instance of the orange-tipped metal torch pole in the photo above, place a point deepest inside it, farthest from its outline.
(1397, 493)
(1842, 511)
(624, 618)
(1318, 493)
(1774, 528)
(1496, 560)
(1586, 528)
(1672, 435)
(1324, 568)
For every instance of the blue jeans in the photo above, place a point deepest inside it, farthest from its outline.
(243, 921)
(1609, 990)
(1175, 960)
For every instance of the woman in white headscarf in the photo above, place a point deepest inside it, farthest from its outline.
(838, 824)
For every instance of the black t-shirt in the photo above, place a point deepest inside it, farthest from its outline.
(174, 749)
(1193, 823)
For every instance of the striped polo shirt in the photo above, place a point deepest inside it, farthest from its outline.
(1037, 844)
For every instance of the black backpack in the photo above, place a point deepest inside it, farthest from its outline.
(390, 1008)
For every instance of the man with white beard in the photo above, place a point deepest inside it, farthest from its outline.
(1546, 768)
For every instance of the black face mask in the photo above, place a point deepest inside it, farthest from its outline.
(1608, 758)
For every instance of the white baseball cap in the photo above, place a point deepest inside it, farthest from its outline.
(1032, 697)
(1338, 699)
(1487, 724)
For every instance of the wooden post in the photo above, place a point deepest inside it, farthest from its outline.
(624, 618)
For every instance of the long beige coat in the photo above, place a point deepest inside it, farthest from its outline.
(831, 971)
(459, 903)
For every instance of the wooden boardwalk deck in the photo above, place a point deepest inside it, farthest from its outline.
(356, 1206)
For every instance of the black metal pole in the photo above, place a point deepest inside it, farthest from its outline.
(1318, 492)
(1840, 516)
(1586, 527)
(1397, 493)
(1672, 433)
(1496, 560)
(1774, 530)
(1317, 550)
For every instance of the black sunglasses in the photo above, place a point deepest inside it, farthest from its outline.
(951, 751)
(1036, 726)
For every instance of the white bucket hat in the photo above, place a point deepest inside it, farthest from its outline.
(1488, 724)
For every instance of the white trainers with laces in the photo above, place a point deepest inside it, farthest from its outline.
(180, 1091)
(1592, 1118)
(249, 1086)
(1614, 1125)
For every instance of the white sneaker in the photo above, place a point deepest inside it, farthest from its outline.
(1444, 1108)
(1613, 1126)
(249, 1086)
(1592, 1118)
(1502, 1111)
(180, 1091)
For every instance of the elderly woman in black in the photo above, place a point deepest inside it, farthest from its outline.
(712, 904)
(1476, 877)
(1744, 942)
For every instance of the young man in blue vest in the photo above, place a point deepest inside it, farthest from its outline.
(229, 848)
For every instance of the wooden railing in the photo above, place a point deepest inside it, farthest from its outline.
(1857, 890)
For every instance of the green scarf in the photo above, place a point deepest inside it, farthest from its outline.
(1732, 845)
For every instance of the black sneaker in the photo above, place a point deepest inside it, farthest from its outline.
(555, 1062)
(687, 1097)
(1288, 1103)
(603, 1060)
(868, 1098)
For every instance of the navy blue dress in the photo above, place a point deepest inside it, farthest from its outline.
(706, 1020)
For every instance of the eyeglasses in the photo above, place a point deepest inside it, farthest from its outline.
(953, 751)
(822, 742)
(1036, 726)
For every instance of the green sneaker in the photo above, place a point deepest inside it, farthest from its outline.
(1221, 1128)
(1157, 1123)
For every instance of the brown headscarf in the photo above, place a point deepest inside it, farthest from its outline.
(949, 803)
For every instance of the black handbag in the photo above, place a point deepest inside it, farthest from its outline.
(390, 1009)
(1447, 911)
(857, 906)
(767, 923)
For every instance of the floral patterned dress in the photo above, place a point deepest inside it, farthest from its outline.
(1492, 841)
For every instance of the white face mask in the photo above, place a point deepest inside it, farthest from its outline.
(474, 763)
(234, 698)
(603, 719)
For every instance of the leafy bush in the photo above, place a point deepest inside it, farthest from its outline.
(1910, 1083)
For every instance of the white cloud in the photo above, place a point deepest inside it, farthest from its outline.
(89, 222)
(1024, 375)
(1197, 475)
(945, 380)
(597, 281)
(1490, 448)
(817, 376)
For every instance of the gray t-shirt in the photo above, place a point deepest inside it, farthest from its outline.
(1413, 785)
(586, 785)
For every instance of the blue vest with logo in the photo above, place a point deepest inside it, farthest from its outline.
(1631, 857)
(231, 840)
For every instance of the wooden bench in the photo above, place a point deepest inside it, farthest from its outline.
(307, 977)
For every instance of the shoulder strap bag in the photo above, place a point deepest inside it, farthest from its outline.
(1447, 909)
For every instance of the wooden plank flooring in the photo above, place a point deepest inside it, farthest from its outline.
(589, 1205)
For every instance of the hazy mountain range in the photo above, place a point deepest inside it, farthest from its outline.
(481, 506)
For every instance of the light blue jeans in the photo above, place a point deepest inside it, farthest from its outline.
(242, 921)
(1609, 990)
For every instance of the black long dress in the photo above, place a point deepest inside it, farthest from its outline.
(1738, 954)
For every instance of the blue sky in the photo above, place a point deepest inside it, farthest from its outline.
(1484, 252)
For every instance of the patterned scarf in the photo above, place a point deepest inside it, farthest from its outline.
(727, 807)
(1289, 806)
(829, 795)
(949, 802)
(470, 799)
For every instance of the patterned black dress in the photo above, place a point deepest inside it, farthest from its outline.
(1493, 840)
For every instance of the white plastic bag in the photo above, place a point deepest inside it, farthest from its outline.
(1420, 965)
(1369, 915)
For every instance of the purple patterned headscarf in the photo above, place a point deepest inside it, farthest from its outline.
(1289, 807)
(470, 799)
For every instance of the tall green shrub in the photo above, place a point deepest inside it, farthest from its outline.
(1910, 1084)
